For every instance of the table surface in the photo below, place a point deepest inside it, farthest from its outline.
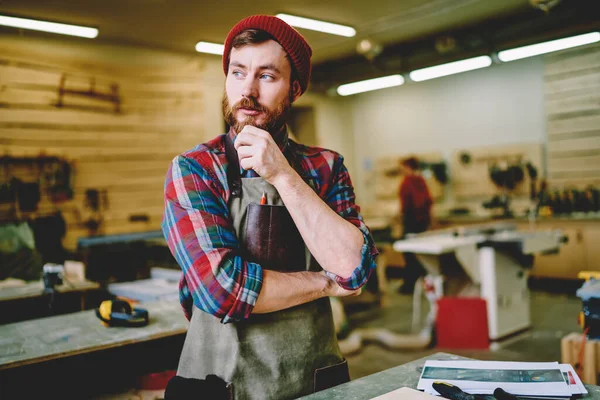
(35, 289)
(436, 244)
(406, 375)
(45, 339)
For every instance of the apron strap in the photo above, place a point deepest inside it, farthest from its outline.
(233, 169)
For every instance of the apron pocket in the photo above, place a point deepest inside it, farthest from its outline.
(272, 239)
(180, 388)
(331, 376)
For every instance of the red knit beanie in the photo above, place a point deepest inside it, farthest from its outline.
(289, 38)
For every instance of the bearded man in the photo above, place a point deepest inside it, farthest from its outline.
(265, 230)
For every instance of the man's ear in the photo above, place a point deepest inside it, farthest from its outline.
(296, 90)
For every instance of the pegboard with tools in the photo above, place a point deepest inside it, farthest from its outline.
(473, 169)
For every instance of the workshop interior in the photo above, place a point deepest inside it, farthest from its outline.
(462, 138)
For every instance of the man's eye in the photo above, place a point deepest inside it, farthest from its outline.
(237, 73)
(266, 77)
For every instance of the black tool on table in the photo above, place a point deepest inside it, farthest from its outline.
(500, 394)
(453, 392)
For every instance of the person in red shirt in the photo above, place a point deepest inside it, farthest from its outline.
(415, 202)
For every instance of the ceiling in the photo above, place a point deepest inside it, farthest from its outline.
(179, 24)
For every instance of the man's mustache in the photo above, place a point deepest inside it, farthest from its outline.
(248, 103)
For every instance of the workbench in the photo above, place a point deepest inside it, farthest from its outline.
(406, 375)
(68, 354)
(29, 301)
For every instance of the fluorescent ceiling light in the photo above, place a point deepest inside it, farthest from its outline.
(315, 25)
(52, 27)
(548, 47)
(450, 68)
(370, 84)
(210, 48)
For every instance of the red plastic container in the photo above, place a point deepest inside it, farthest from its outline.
(462, 323)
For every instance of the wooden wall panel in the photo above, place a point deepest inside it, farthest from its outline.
(125, 153)
(572, 105)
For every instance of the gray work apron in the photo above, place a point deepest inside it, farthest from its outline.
(279, 355)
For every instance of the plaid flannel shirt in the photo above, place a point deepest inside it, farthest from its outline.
(198, 226)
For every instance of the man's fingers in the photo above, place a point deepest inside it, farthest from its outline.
(245, 139)
(247, 163)
(251, 135)
(245, 151)
(255, 131)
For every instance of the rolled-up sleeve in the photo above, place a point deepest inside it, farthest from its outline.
(341, 199)
(199, 232)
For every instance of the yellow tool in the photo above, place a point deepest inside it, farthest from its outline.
(587, 275)
(121, 313)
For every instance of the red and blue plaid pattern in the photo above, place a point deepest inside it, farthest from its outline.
(198, 226)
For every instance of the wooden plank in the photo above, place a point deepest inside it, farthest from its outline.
(107, 181)
(50, 115)
(570, 93)
(90, 167)
(93, 138)
(573, 115)
(575, 163)
(93, 152)
(182, 112)
(573, 135)
(572, 53)
(101, 177)
(11, 73)
(29, 124)
(36, 289)
(568, 145)
(573, 62)
(577, 124)
(43, 73)
(141, 97)
(574, 173)
(11, 95)
(573, 83)
(180, 103)
(585, 102)
(583, 70)
(105, 143)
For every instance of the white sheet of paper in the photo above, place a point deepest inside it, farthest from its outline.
(405, 394)
(483, 377)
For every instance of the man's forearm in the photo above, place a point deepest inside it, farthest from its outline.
(334, 242)
(284, 290)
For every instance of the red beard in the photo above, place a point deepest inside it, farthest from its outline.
(273, 121)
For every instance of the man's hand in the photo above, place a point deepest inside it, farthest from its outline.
(334, 290)
(258, 151)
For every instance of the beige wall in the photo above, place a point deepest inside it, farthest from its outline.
(502, 104)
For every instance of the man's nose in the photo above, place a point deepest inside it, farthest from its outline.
(250, 88)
